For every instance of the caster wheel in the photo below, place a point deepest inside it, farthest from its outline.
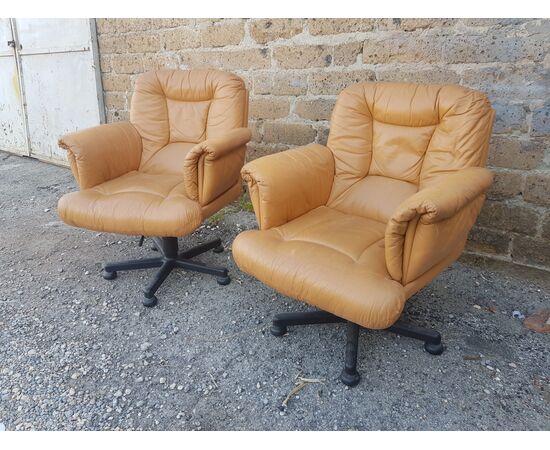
(278, 330)
(434, 349)
(149, 302)
(108, 275)
(218, 249)
(223, 281)
(350, 379)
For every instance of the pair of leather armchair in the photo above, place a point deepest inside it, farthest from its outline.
(354, 228)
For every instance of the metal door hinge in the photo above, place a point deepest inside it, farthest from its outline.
(12, 44)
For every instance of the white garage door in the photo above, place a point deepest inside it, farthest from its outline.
(50, 84)
(13, 135)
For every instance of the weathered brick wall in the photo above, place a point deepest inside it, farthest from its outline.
(294, 69)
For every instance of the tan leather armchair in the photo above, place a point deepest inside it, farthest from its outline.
(358, 226)
(175, 163)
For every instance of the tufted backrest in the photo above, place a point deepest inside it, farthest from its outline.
(403, 137)
(186, 106)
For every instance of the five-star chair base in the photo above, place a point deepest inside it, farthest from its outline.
(171, 259)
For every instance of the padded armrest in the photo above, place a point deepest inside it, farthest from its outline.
(288, 184)
(213, 166)
(433, 222)
(102, 153)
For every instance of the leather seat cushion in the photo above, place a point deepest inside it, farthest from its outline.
(328, 259)
(136, 203)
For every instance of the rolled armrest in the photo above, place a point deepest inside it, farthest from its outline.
(288, 184)
(213, 166)
(102, 153)
(434, 222)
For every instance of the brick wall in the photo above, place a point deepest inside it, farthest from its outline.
(294, 69)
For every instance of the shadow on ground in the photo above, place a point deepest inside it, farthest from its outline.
(79, 352)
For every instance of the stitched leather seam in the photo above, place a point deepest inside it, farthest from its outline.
(167, 114)
(405, 126)
(145, 214)
(345, 151)
(112, 194)
(411, 247)
(322, 244)
(352, 260)
(138, 192)
(205, 132)
(172, 190)
(254, 190)
(190, 101)
(383, 222)
(430, 141)
(289, 239)
(383, 238)
(420, 160)
(296, 218)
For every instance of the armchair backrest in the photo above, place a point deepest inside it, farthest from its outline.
(408, 132)
(189, 106)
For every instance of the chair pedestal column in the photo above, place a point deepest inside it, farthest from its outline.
(349, 375)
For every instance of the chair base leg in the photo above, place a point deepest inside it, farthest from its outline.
(349, 375)
(283, 320)
(431, 338)
(149, 302)
(169, 260)
(109, 275)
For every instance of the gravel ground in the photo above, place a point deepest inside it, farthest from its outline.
(79, 352)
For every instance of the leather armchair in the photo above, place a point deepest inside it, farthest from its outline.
(175, 163)
(356, 227)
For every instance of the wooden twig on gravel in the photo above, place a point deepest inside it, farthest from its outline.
(213, 380)
(293, 392)
(300, 383)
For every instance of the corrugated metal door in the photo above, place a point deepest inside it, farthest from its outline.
(59, 79)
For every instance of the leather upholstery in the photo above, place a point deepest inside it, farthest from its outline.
(102, 153)
(358, 226)
(286, 185)
(222, 160)
(441, 215)
(175, 163)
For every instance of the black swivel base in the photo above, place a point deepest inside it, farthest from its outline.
(349, 375)
(169, 260)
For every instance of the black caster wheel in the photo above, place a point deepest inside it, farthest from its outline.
(350, 379)
(149, 302)
(108, 275)
(223, 281)
(434, 349)
(218, 249)
(278, 330)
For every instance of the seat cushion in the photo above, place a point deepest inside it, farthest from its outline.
(136, 203)
(328, 259)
